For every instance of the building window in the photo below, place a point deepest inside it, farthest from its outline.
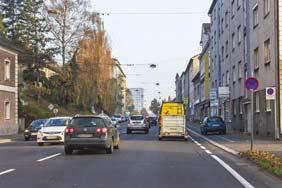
(255, 16)
(223, 80)
(7, 110)
(233, 74)
(7, 70)
(233, 42)
(227, 78)
(239, 4)
(215, 38)
(226, 48)
(268, 105)
(232, 9)
(266, 7)
(240, 107)
(256, 58)
(267, 51)
(240, 74)
(234, 108)
(226, 19)
(246, 77)
(239, 34)
(222, 25)
(257, 101)
(222, 53)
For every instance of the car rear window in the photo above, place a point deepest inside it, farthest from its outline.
(36, 123)
(117, 116)
(87, 121)
(215, 119)
(136, 117)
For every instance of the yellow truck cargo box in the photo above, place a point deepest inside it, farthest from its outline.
(172, 109)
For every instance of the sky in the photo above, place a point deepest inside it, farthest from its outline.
(167, 40)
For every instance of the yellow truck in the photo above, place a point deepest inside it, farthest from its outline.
(172, 121)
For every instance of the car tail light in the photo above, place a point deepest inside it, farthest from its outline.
(101, 130)
(69, 130)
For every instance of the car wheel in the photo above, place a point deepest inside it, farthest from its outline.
(160, 138)
(147, 131)
(224, 132)
(40, 143)
(117, 146)
(26, 138)
(68, 150)
(110, 150)
(128, 131)
(185, 139)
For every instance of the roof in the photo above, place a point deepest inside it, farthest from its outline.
(212, 6)
(60, 118)
(119, 66)
(10, 45)
(191, 61)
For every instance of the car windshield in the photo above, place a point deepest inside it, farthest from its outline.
(55, 122)
(87, 122)
(37, 123)
(117, 116)
(136, 117)
(215, 119)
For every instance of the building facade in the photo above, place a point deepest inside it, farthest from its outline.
(120, 78)
(8, 89)
(138, 98)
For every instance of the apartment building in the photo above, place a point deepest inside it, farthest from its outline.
(8, 89)
(138, 98)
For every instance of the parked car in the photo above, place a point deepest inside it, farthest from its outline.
(115, 122)
(213, 124)
(117, 117)
(31, 131)
(53, 131)
(95, 131)
(137, 123)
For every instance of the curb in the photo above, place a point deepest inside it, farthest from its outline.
(4, 141)
(228, 150)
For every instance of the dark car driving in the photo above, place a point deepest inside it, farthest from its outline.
(213, 124)
(91, 132)
(31, 131)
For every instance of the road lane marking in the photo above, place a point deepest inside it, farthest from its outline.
(49, 157)
(203, 147)
(216, 144)
(235, 174)
(7, 171)
(208, 151)
(226, 139)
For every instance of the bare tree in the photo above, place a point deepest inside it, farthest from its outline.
(68, 20)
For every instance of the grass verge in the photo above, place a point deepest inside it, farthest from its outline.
(265, 160)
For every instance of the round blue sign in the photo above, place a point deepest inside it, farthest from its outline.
(270, 91)
(252, 84)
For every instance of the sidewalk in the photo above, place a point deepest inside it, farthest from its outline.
(241, 142)
(10, 138)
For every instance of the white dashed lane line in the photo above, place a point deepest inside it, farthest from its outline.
(235, 174)
(49, 157)
(7, 171)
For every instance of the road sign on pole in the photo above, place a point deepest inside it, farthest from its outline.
(252, 85)
(270, 93)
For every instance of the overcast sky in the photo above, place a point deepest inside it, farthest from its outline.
(168, 40)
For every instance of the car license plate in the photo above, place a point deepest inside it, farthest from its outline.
(215, 125)
(84, 135)
(33, 134)
(52, 137)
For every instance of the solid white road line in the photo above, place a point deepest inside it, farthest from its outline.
(244, 182)
(226, 139)
(46, 158)
(216, 144)
(7, 171)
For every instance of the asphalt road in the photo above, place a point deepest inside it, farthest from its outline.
(141, 162)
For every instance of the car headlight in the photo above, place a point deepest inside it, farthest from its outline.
(26, 131)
